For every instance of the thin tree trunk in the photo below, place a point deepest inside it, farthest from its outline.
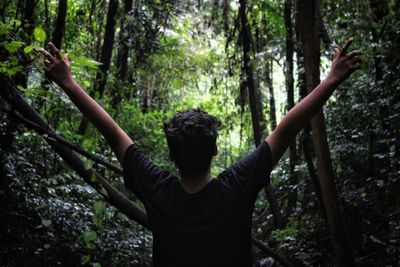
(105, 58)
(309, 20)
(269, 80)
(307, 146)
(28, 21)
(60, 24)
(123, 53)
(292, 199)
(46, 17)
(256, 115)
(226, 9)
(312, 172)
(256, 112)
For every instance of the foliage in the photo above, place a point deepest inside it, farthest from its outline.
(184, 54)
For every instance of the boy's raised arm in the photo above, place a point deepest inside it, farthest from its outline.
(58, 69)
(342, 66)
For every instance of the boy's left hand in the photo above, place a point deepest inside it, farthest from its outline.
(344, 64)
(56, 67)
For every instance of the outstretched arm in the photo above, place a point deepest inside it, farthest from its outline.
(342, 66)
(58, 69)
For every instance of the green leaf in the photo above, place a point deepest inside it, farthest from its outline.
(46, 223)
(85, 259)
(39, 34)
(103, 191)
(98, 222)
(13, 46)
(84, 61)
(96, 264)
(93, 177)
(88, 164)
(99, 207)
(28, 49)
(89, 236)
(86, 83)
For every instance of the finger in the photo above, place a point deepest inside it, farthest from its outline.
(346, 46)
(47, 63)
(354, 53)
(67, 60)
(55, 51)
(335, 53)
(47, 55)
(356, 63)
(356, 66)
(356, 60)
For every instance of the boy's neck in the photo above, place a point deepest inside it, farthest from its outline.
(194, 183)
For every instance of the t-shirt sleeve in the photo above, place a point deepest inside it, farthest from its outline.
(251, 172)
(141, 175)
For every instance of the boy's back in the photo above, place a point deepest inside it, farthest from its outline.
(206, 228)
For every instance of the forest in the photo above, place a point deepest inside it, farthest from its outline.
(333, 199)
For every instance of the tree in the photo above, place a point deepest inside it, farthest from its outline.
(309, 27)
(105, 57)
(269, 78)
(257, 116)
(60, 24)
(123, 52)
(292, 201)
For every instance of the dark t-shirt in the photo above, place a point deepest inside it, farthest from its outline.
(211, 227)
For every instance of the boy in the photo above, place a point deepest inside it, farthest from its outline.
(197, 220)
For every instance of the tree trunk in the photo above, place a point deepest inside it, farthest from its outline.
(269, 80)
(105, 58)
(256, 115)
(123, 53)
(225, 15)
(292, 199)
(256, 112)
(28, 19)
(60, 24)
(309, 14)
(307, 146)
(28, 22)
(46, 17)
(378, 11)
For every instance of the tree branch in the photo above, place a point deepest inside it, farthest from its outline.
(50, 135)
(112, 195)
(271, 253)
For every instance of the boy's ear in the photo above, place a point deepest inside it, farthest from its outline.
(215, 150)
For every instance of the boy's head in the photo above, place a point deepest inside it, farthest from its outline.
(191, 137)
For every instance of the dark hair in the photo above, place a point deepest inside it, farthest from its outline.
(191, 137)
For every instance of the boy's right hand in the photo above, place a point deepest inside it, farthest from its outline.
(55, 66)
(344, 64)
